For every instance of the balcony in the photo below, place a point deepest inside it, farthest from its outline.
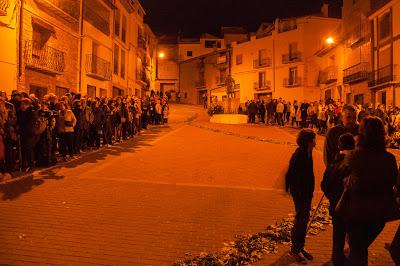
(328, 75)
(383, 75)
(266, 85)
(292, 82)
(44, 58)
(68, 10)
(291, 58)
(200, 83)
(263, 62)
(141, 78)
(358, 35)
(356, 73)
(4, 4)
(97, 67)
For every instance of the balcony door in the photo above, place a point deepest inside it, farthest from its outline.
(261, 79)
(293, 49)
(95, 48)
(293, 75)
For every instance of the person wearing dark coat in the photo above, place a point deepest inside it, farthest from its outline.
(97, 125)
(332, 186)
(261, 111)
(79, 113)
(349, 125)
(371, 199)
(300, 182)
(252, 110)
(303, 113)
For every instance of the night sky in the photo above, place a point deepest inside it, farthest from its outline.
(193, 17)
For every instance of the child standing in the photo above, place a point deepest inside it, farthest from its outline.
(300, 183)
(332, 186)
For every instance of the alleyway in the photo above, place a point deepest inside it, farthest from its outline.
(181, 189)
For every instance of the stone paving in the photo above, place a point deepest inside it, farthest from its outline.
(173, 191)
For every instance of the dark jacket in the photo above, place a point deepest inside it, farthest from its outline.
(373, 175)
(331, 148)
(300, 180)
(332, 182)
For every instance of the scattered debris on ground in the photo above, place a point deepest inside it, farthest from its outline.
(248, 249)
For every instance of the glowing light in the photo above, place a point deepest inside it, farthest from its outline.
(330, 40)
(161, 55)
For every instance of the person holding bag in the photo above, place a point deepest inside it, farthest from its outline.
(368, 201)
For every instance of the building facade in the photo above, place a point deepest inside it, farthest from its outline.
(384, 79)
(9, 21)
(48, 47)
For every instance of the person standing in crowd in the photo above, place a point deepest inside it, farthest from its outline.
(270, 112)
(332, 186)
(165, 113)
(252, 111)
(370, 201)
(78, 129)
(261, 112)
(27, 118)
(300, 182)
(303, 113)
(97, 125)
(280, 108)
(348, 125)
(66, 122)
(158, 112)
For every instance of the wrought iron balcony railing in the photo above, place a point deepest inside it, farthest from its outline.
(4, 4)
(383, 75)
(291, 58)
(44, 58)
(221, 80)
(98, 67)
(292, 82)
(358, 35)
(266, 85)
(263, 62)
(356, 73)
(141, 76)
(222, 59)
(328, 75)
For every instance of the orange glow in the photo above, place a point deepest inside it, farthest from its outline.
(330, 40)
(161, 55)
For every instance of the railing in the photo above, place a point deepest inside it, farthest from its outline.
(98, 67)
(356, 73)
(4, 4)
(328, 75)
(292, 82)
(141, 75)
(44, 57)
(266, 85)
(358, 35)
(383, 75)
(291, 58)
(263, 62)
(200, 84)
(97, 21)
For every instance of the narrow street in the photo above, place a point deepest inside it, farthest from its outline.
(175, 190)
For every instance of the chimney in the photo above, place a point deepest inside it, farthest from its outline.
(325, 10)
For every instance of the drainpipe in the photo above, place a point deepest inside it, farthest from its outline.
(80, 48)
(20, 34)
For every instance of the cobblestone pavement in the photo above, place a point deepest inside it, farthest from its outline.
(176, 190)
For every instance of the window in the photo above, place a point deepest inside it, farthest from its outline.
(116, 59)
(212, 44)
(97, 15)
(293, 79)
(123, 30)
(261, 79)
(91, 91)
(384, 26)
(239, 59)
(122, 63)
(117, 22)
(103, 92)
(293, 50)
(189, 53)
(60, 91)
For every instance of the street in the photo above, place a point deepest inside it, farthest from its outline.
(173, 191)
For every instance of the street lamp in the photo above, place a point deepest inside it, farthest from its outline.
(330, 40)
(161, 55)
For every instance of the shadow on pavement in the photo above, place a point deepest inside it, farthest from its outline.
(284, 260)
(12, 190)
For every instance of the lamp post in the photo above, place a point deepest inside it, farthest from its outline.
(160, 55)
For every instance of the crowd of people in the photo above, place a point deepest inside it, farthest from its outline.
(40, 132)
(361, 182)
(321, 115)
